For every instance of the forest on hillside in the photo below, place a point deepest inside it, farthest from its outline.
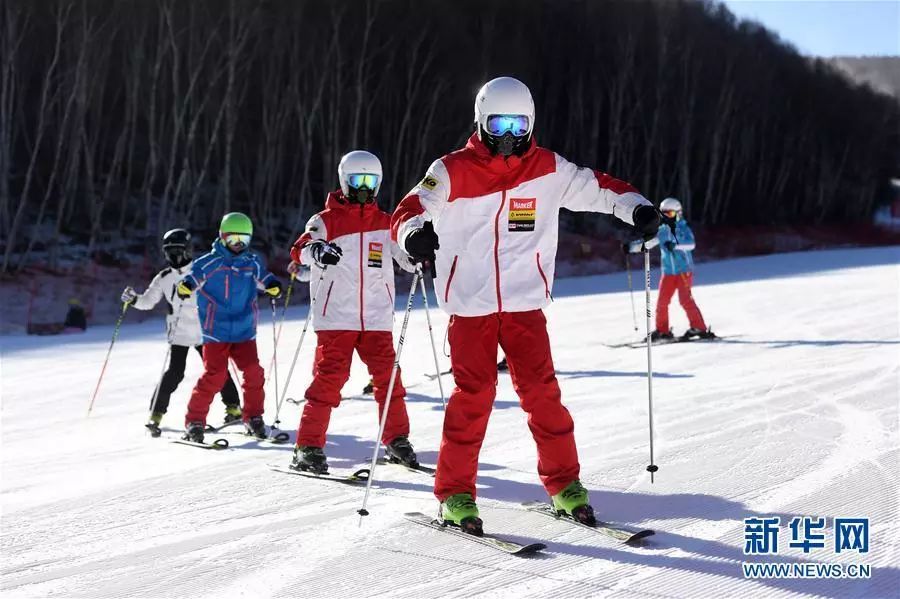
(120, 119)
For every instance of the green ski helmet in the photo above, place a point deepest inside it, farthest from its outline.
(236, 231)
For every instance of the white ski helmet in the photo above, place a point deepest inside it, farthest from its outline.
(359, 162)
(669, 205)
(503, 95)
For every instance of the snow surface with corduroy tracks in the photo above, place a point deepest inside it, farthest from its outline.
(794, 413)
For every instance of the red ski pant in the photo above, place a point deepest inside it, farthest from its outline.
(215, 371)
(667, 286)
(331, 370)
(473, 356)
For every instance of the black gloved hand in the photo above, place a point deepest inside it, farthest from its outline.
(669, 245)
(421, 243)
(646, 221)
(326, 253)
(626, 247)
(274, 289)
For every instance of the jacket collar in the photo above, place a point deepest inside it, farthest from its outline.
(337, 203)
(497, 163)
(227, 256)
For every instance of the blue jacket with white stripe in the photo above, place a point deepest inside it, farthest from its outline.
(227, 285)
(675, 247)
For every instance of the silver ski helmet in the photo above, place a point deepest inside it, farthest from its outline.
(671, 209)
(360, 174)
(504, 116)
(176, 247)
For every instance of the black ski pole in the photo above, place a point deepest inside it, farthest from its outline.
(437, 367)
(287, 382)
(275, 347)
(652, 468)
(631, 291)
(108, 352)
(387, 402)
(169, 332)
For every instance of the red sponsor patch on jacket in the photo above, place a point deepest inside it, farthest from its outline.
(376, 250)
(521, 214)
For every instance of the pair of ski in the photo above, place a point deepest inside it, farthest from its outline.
(356, 477)
(360, 477)
(221, 443)
(622, 534)
(643, 342)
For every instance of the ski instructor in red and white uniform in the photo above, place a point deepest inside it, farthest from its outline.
(350, 241)
(488, 216)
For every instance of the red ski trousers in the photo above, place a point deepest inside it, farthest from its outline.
(473, 356)
(331, 370)
(667, 287)
(215, 371)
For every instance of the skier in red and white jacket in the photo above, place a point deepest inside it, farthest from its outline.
(350, 242)
(488, 215)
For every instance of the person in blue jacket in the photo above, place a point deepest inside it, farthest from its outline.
(227, 281)
(676, 241)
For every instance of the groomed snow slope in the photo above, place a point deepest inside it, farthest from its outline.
(796, 413)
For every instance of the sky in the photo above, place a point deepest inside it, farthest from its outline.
(829, 27)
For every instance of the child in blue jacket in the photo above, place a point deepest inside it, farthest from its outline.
(676, 241)
(227, 281)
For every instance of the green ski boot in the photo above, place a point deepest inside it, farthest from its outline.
(573, 502)
(153, 424)
(232, 414)
(460, 510)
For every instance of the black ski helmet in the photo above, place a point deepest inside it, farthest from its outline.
(176, 247)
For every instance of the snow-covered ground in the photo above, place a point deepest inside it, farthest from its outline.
(794, 414)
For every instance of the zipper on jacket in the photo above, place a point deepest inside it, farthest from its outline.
(543, 276)
(390, 297)
(327, 297)
(450, 279)
(362, 325)
(227, 280)
(497, 250)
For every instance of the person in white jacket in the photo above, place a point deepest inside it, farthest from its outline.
(488, 216)
(182, 327)
(350, 242)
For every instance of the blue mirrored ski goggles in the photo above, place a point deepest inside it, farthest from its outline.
(236, 240)
(361, 180)
(517, 124)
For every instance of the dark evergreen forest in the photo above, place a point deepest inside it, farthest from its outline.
(120, 119)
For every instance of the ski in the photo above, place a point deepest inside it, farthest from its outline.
(643, 343)
(277, 439)
(217, 444)
(619, 533)
(420, 468)
(215, 429)
(350, 478)
(433, 377)
(488, 540)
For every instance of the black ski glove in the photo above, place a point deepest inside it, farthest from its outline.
(421, 243)
(646, 221)
(325, 253)
(669, 245)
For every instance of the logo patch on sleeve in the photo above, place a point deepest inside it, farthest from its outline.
(521, 214)
(375, 252)
(429, 182)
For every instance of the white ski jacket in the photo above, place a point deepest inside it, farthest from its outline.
(497, 222)
(183, 321)
(358, 292)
